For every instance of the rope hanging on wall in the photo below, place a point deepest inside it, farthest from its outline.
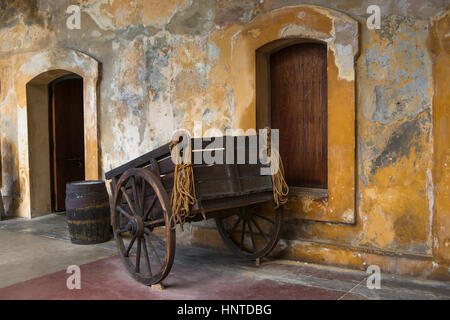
(280, 187)
(183, 192)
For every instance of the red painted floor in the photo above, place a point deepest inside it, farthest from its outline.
(107, 279)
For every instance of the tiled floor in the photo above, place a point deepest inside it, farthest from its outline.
(34, 256)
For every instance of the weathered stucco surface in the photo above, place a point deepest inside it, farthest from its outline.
(165, 65)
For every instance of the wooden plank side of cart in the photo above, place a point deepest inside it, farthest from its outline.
(160, 157)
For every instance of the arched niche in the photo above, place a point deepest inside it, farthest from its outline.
(250, 49)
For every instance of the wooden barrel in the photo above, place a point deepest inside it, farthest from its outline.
(88, 214)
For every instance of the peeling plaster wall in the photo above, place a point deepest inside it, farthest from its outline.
(166, 64)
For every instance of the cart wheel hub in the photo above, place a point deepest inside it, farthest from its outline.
(136, 226)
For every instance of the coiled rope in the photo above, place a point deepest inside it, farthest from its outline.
(279, 185)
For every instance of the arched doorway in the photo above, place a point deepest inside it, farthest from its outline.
(55, 119)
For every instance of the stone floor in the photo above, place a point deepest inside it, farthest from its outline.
(34, 255)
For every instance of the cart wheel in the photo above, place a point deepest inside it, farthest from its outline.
(252, 232)
(141, 226)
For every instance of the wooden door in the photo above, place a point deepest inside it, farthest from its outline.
(298, 76)
(66, 137)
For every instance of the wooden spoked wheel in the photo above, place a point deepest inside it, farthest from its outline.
(141, 226)
(252, 232)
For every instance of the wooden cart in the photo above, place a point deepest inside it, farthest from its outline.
(237, 196)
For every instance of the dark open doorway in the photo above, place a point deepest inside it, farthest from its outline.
(66, 135)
